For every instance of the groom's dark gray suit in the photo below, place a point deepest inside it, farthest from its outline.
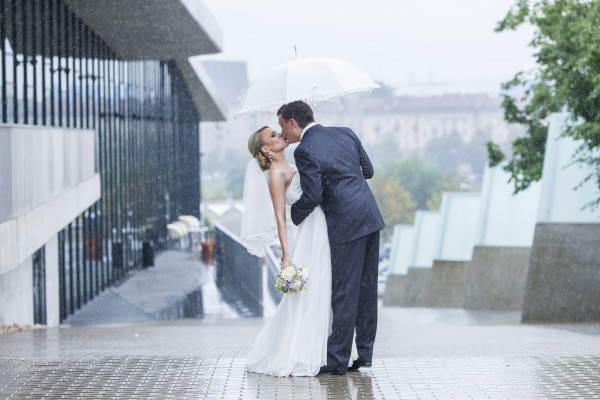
(333, 169)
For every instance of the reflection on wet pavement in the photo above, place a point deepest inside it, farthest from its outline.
(420, 354)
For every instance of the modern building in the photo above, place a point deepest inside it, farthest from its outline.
(414, 122)
(99, 142)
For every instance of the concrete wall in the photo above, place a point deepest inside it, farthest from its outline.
(16, 295)
(497, 277)
(494, 280)
(448, 284)
(442, 286)
(418, 283)
(16, 290)
(21, 236)
(49, 160)
(395, 290)
(563, 284)
(47, 178)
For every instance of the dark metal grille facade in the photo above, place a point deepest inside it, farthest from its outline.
(56, 71)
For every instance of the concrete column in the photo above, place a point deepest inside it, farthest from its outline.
(16, 295)
(52, 283)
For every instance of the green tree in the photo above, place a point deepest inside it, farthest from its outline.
(422, 180)
(567, 77)
(394, 201)
(449, 184)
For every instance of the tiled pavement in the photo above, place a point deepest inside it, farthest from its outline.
(420, 354)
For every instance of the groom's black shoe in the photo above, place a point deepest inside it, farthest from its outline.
(356, 364)
(332, 371)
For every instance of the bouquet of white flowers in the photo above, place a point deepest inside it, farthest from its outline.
(292, 279)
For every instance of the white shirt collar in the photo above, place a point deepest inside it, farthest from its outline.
(307, 127)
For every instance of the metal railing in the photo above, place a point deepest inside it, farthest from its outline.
(238, 273)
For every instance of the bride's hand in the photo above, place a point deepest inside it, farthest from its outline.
(285, 261)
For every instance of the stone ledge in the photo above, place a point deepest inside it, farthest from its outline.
(448, 284)
(497, 277)
(564, 274)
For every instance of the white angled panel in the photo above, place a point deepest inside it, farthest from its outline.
(403, 249)
(458, 230)
(506, 219)
(560, 201)
(427, 234)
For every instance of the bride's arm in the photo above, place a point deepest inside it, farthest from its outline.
(277, 189)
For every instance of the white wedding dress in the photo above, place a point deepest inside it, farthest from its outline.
(294, 340)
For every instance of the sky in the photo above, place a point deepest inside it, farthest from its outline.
(421, 47)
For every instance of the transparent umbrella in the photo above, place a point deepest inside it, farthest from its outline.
(309, 79)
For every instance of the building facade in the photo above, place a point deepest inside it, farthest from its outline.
(99, 143)
(410, 124)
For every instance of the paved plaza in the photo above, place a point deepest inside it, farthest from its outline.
(113, 348)
(420, 354)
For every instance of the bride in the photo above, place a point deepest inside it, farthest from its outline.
(294, 341)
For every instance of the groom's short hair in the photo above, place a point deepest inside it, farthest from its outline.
(298, 110)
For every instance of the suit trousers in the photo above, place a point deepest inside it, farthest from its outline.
(354, 268)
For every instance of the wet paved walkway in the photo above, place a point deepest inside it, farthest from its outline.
(152, 293)
(115, 348)
(420, 354)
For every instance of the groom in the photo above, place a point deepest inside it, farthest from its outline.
(333, 166)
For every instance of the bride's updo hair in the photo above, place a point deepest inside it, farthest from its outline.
(254, 144)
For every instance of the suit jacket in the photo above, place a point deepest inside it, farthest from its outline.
(333, 168)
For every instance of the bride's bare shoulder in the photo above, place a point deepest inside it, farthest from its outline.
(281, 174)
(276, 175)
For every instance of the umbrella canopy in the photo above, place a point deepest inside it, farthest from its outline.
(308, 79)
